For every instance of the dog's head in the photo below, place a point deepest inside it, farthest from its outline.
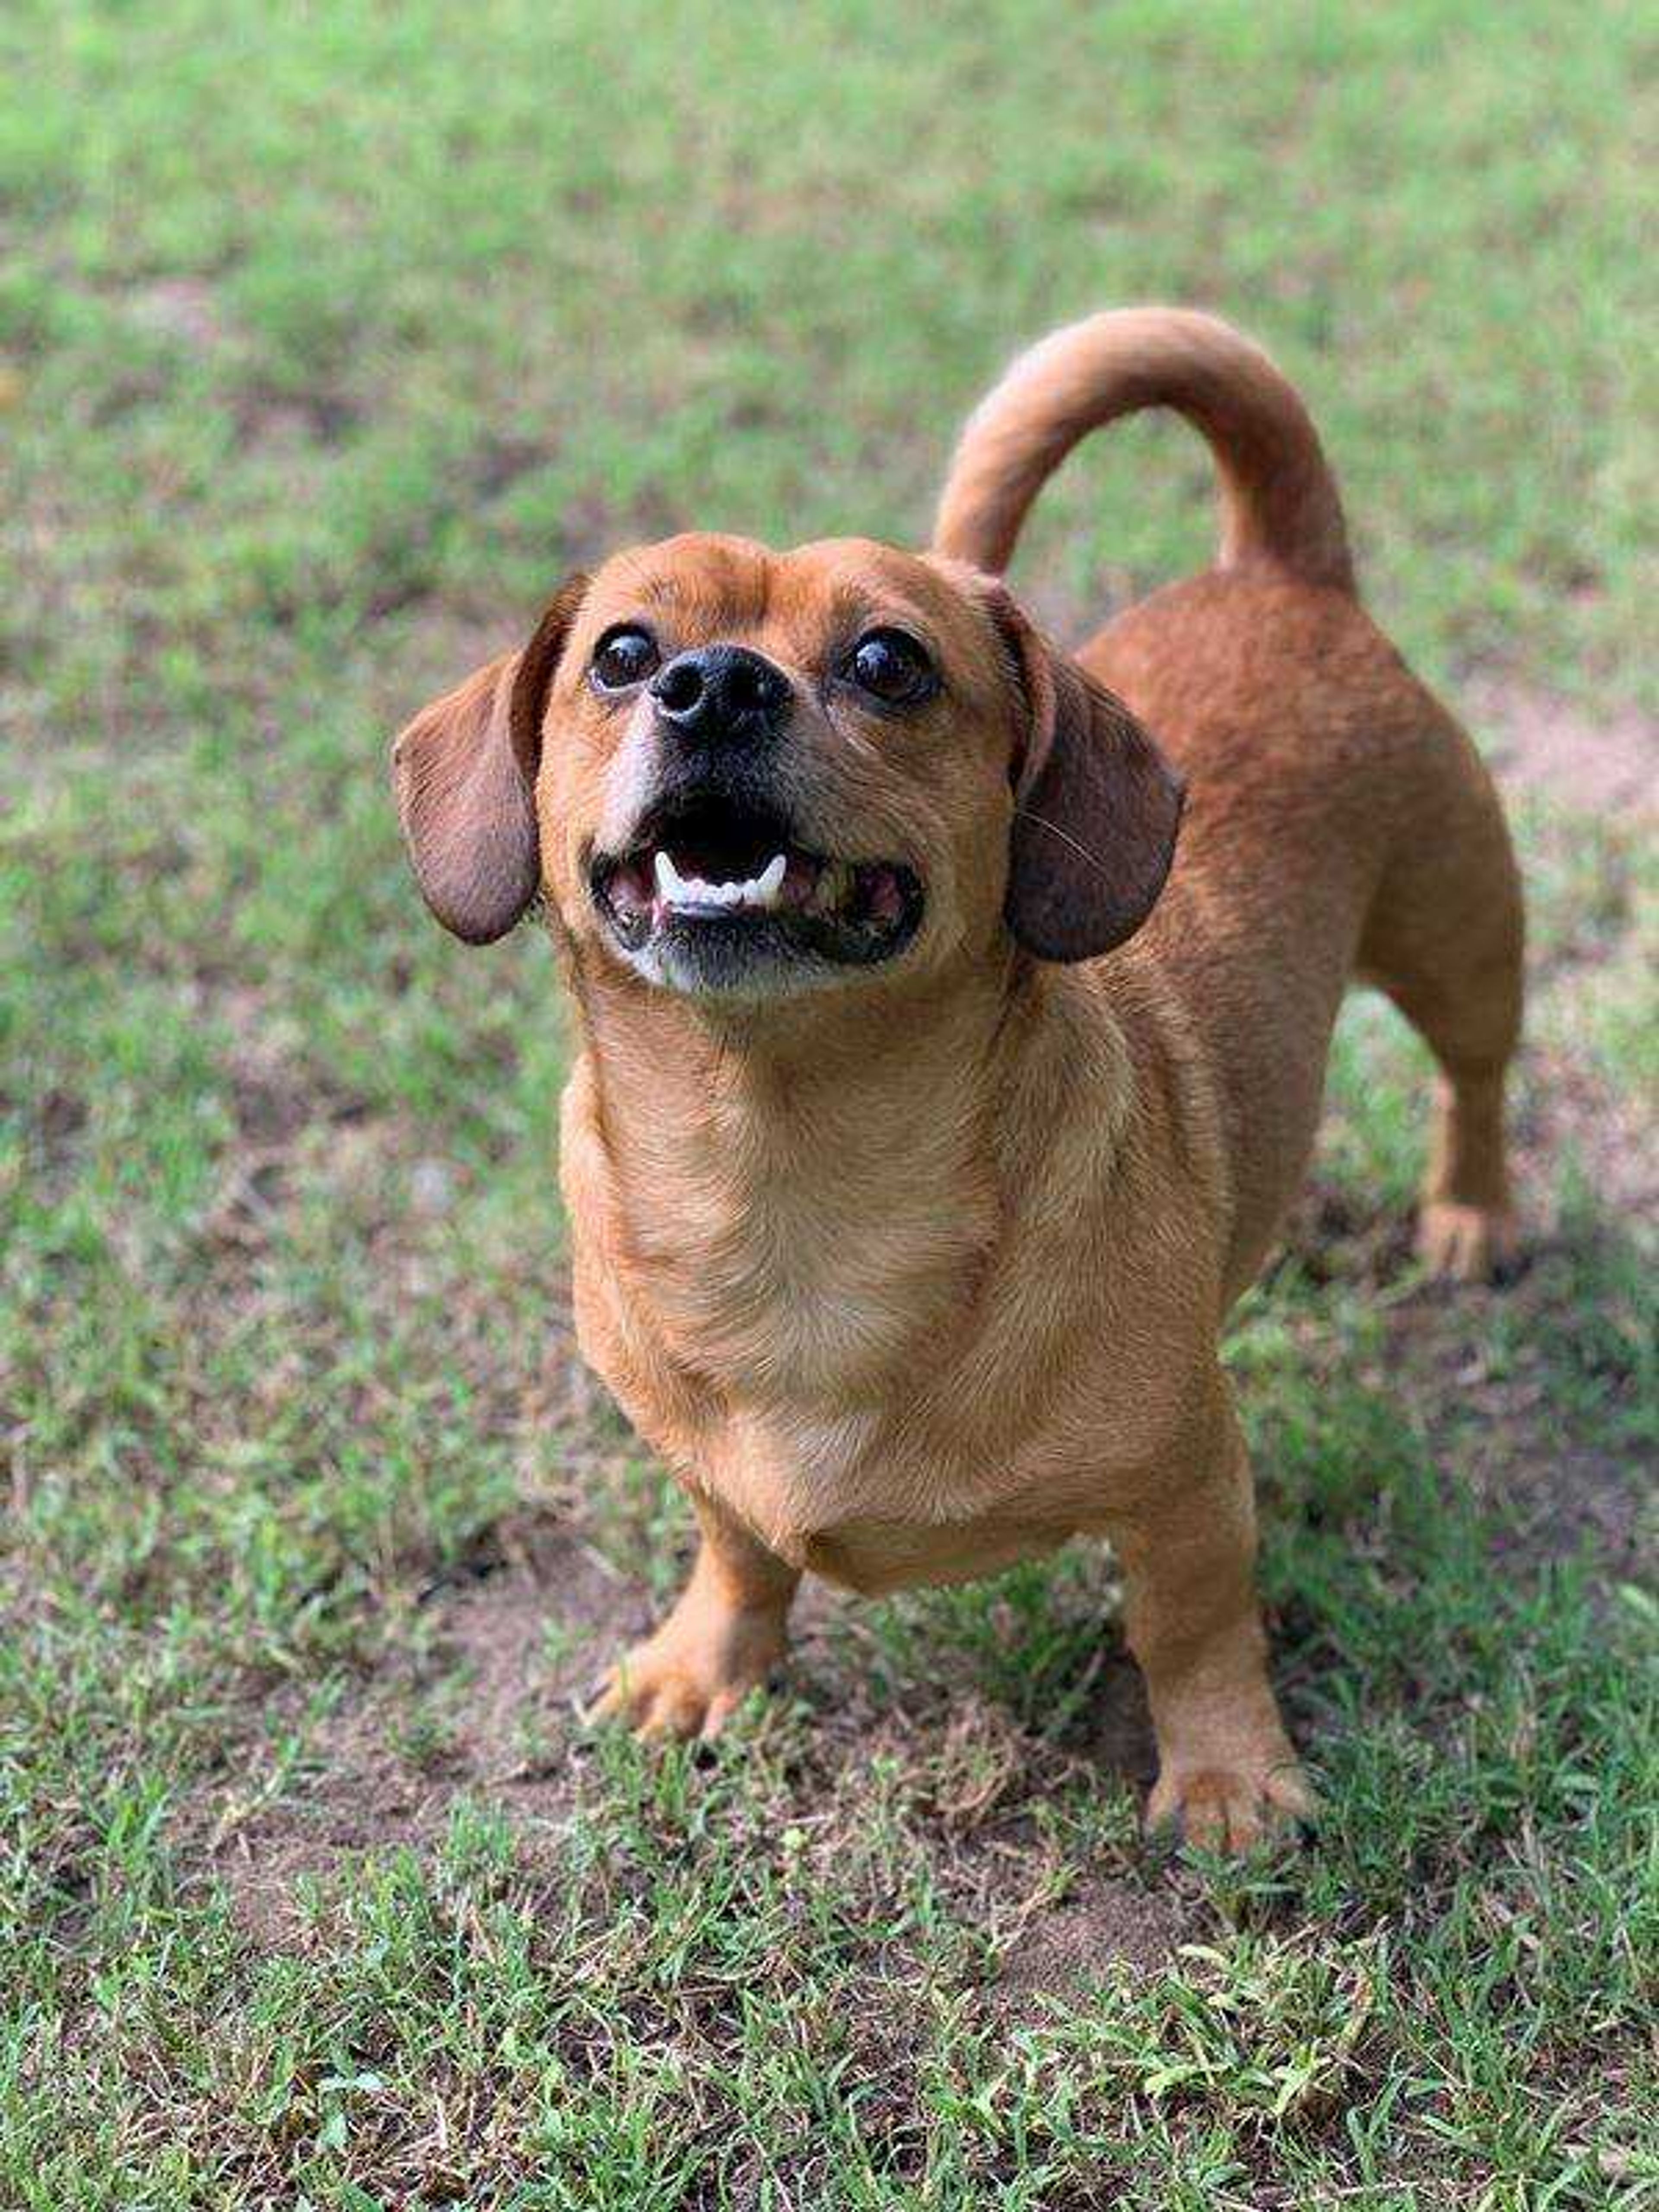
(741, 773)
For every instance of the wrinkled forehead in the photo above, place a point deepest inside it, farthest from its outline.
(699, 589)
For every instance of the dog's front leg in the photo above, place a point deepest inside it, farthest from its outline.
(725, 1633)
(1227, 1775)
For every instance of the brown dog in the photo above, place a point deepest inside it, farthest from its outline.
(921, 1134)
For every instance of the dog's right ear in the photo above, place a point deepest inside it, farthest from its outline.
(464, 775)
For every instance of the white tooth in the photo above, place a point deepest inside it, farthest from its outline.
(678, 890)
(764, 891)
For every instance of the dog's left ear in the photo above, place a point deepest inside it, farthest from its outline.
(464, 775)
(1095, 806)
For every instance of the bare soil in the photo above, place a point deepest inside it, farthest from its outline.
(1601, 763)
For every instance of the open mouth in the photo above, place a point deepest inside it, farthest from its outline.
(717, 889)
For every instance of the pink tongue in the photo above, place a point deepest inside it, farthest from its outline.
(631, 888)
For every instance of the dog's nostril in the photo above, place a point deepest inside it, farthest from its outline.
(755, 687)
(722, 690)
(680, 686)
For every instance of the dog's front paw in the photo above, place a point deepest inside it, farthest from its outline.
(1466, 1244)
(1233, 1806)
(691, 1676)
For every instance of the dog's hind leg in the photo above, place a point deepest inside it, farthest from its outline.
(1444, 939)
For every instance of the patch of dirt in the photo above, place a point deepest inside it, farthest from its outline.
(498, 463)
(317, 414)
(483, 1700)
(1104, 1927)
(185, 308)
(513, 1645)
(282, 1102)
(1550, 1497)
(1491, 1411)
(1568, 1111)
(1600, 762)
(1558, 1504)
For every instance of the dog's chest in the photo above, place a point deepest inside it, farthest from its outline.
(851, 1417)
(783, 1282)
(840, 1357)
(806, 1299)
(877, 1501)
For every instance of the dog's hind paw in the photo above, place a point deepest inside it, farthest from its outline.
(1466, 1243)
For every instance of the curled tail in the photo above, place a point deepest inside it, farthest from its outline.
(1279, 504)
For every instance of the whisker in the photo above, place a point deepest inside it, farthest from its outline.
(1024, 814)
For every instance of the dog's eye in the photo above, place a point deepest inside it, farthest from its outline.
(623, 657)
(892, 667)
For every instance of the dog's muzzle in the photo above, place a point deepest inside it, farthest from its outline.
(719, 889)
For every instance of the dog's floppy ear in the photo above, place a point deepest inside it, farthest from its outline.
(464, 775)
(1095, 806)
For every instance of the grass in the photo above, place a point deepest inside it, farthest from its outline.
(327, 338)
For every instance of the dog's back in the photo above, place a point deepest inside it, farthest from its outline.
(1338, 820)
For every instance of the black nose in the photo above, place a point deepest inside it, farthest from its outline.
(722, 691)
